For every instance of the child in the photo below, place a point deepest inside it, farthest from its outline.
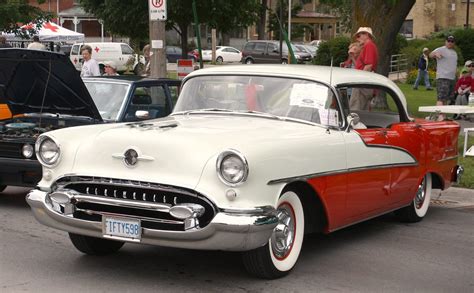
(462, 89)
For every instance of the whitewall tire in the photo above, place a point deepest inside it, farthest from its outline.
(417, 210)
(278, 257)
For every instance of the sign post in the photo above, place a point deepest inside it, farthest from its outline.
(158, 16)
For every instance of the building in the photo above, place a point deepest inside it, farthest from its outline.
(428, 16)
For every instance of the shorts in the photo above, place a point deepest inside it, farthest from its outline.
(444, 88)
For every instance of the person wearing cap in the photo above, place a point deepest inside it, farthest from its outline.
(110, 68)
(446, 66)
(470, 66)
(367, 61)
(36, 45)
(462, 88)
(423, 71)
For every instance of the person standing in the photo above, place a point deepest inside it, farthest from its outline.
(147, 55)
(36, 45)
(110, 68)
(90, 67)
(353, 52)
(447, 60)
(423, 70)
(3, 42)
(367, 61)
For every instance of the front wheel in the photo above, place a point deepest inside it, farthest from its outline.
(249, 61)
(94, 246)
(278, 257)
(417, 210)
(219, 60)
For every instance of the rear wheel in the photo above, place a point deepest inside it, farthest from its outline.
(417, 210)
(284, 61)
(278, 257)
(94, 246)
(249, 61)
(2, 187)
(219, 60)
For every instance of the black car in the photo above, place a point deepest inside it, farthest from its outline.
(44, 92)
(269, 52)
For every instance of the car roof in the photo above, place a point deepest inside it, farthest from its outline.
(132, 79)
(334, 76)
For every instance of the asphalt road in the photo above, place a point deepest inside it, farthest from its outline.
(381, 255)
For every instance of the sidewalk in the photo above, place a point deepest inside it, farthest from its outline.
(453, 197)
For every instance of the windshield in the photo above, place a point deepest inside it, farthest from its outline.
(108, 97)
(282, 97)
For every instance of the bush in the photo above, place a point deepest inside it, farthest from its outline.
(412, 74)
(335, 48)
(465, 42)
(400, 43)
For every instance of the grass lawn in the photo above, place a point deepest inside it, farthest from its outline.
(422, 97)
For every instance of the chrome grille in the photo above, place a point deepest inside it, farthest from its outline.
(134, 191)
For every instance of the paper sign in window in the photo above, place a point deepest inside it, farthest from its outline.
(309, 95)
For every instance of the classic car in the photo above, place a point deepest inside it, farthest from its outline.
(251, 159)
(42, 91)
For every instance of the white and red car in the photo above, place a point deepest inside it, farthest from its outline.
(252, 159)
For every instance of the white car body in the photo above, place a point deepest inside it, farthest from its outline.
(223, 54)
(251, 159)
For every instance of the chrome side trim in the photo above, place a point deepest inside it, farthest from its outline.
(340, 171)
(448, 159)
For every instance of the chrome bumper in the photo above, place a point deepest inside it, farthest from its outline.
(233, 230)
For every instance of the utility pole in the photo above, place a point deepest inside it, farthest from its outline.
(467, 13)
(158, 17)
(289, 20)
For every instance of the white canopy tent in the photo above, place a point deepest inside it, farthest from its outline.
(50, 32)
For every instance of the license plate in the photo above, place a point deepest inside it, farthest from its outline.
(121, 227)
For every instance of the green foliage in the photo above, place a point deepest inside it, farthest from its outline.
(415, 48)
(400, 43)
(341, 8)
(14, 13)
(465, 42)
(297, 30)
(412, 74)
(335, 48)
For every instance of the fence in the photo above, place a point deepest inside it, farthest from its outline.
(398, 66)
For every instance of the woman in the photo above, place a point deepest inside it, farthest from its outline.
(90, 67)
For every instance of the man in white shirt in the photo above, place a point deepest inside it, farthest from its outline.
(447, 60)
(36, 45)
(90, 67)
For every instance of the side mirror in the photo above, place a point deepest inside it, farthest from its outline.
(142, 114)
(352, 120)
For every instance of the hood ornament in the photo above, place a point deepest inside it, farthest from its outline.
(131, 156)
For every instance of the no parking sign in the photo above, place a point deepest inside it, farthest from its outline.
(157, 9)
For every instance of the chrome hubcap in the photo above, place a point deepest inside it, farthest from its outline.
(420, 194)
(284, 233)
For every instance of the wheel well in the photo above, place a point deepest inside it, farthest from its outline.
(314, 214)
(436, 181)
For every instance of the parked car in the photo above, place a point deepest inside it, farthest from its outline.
(174, 53)
(223, 54)
(58, 98)
(120, 53)
(269, 52)
(251, 160)
(307, 48)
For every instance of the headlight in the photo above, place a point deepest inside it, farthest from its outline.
(27, 151)
(47, 151)
(232, 167)
(297, 56)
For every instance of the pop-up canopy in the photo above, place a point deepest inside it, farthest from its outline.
(50, 32)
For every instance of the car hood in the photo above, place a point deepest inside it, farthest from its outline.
(179, 147)
(34, 81)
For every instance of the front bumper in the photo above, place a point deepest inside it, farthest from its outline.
(233, 230)
(20, 172)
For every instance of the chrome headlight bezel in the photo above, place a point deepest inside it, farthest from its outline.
(39, 143)
(27, 151)
(225, 155)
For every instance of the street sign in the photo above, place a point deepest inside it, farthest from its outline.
(185, 67)
(157, 9)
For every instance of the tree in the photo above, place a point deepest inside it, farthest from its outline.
(14, 13)
(130, 18)
(297, 30)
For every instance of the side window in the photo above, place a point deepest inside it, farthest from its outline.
(376, 107)
(174, 91)
(151, 99)
(75, 50)
(126, 50)
(260, 47)
(272, 48)
(249, 46)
